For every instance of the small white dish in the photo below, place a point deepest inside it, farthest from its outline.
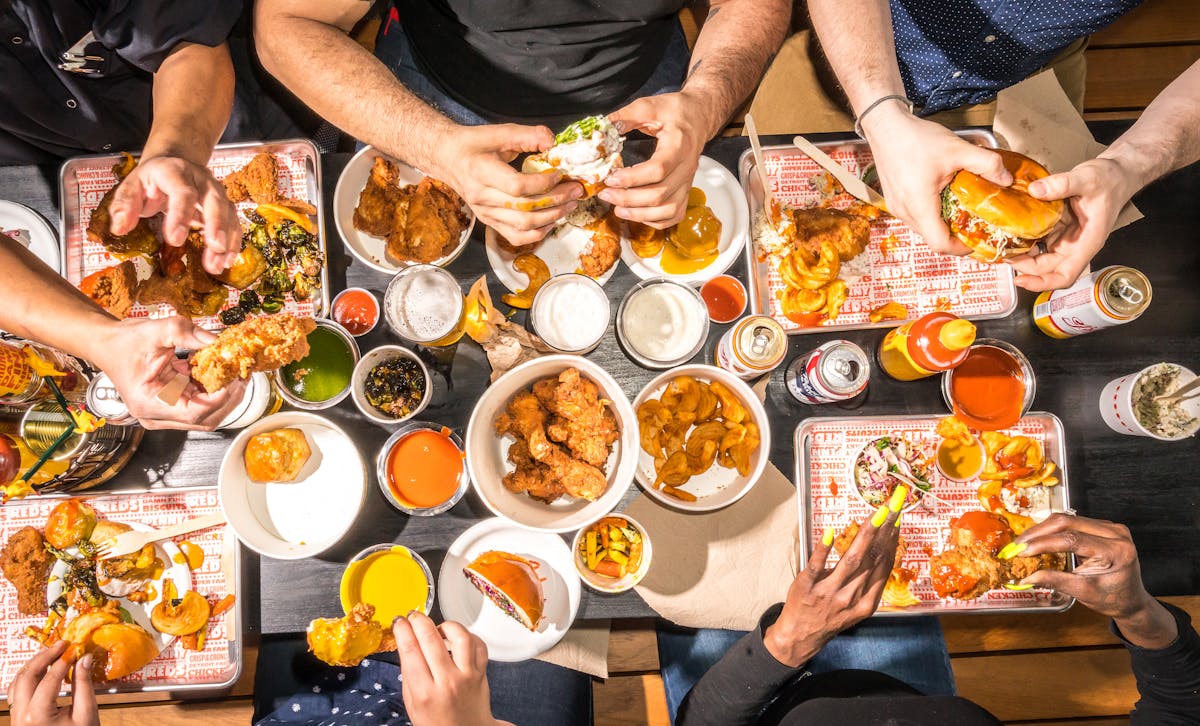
(718, 487)
(367, 249)
(507, 640)
(373, 358)
(724, 196)
(333, 309)
(608, 584)
(301, 518)
(31, 231)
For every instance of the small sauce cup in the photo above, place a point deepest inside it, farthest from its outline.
(384, 576)
(388, 466)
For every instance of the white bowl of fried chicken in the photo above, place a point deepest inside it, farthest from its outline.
(552, 445)
(391, 215)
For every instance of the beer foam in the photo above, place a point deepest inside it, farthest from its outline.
(423, 304)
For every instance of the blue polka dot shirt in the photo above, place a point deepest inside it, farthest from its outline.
(958, 52)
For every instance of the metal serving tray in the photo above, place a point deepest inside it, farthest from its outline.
(827, 496)
(215, 668)
(907, 272)
(83, 181)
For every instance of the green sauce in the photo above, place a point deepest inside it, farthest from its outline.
(325, 372)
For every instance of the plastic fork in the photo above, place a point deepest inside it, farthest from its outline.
(1180, 394)
(127, 543)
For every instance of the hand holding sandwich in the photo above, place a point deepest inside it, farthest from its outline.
(33, 695)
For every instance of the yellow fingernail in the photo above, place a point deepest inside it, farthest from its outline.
(1017, 587)
(827, 538)
(898, 516)
(1011, 550)
(898, 496)
(881, 515)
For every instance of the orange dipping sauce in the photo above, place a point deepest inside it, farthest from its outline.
(424, 468)
(725, 297)
(987, 390)
(356, 310)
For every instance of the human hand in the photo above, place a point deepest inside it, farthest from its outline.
(1107, 578)
(822, 603)
(443, 671)
(523, 208)
(655, 192)
(138, 354)
(916, 159)
(1096, 191)
(189, 195)
(33, 696)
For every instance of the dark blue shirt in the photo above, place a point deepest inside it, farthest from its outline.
(104, 103)
(958, 52)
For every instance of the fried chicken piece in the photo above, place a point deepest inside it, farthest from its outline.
(578, 478)
(531, 476)
(260, 344)
(141, 240)
(522, 416)
(346, 641)
(258, 180)
(113, 288)
(382, 204)
(1018, 568)
(180, 280)
(846, 232)
(965, 573)
(969, 567)
(582, 420)
(26, 564)
(433, 224)
(605, 249)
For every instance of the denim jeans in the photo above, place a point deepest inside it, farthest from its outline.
(392, 47)
(911, 650)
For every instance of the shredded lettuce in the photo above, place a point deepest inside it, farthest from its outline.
(581, 129)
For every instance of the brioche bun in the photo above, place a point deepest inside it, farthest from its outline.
(511, 582)
(119, 649)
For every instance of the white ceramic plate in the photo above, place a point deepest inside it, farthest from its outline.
(487, 452)
(32, 231)
(560, 251)
(370, 250)
(507, 640)
(174, 571)
(725, 198)
(718, 487)
(294, 520)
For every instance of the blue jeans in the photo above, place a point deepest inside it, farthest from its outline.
(396, 53)
(911, 650)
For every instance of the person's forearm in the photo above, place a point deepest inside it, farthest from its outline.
(856, 36)
(193, 95)
(1149, 626)
(1164, 652)
(736, 44)
(345, 84)
(42, 306)
(1167, 135)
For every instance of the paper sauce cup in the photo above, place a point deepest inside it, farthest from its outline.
(1117, 409)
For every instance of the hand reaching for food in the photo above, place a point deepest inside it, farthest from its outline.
(823, 602)
(189, 195)
(33, 695)
(445, 673)
(1106, 578)
(523, 208)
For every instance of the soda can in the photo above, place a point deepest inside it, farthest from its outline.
(752, 347)
(104, 400)
(836, 371)
(1107, 297)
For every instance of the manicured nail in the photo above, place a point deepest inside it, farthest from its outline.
(1018, 587)
(1011, 550)
(85, 663)
(898, 496)
(881, 515)
(827, 538)
(898, 516)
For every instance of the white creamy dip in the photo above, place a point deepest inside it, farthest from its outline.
(663, 322)
(570, 313)
(591, 158)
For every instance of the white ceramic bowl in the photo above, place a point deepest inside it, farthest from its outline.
(718, 487)
(486, 451)
(367, 249)
(302, 518)
(607, 584)
(373, 358)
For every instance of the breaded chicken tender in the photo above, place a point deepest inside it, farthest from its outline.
(26, 564)
(260, 344)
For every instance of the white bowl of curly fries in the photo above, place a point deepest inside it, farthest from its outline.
(704, 437)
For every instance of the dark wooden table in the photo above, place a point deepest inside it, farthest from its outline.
(1149, 485)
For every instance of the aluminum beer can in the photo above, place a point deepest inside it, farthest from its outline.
(104, 400)
(755, 345)
(836, 371)
(1107, 297)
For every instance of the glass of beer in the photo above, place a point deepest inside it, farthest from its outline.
(424, 304)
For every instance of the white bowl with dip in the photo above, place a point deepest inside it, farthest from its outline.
(570, 313)
(662, 323)
(1120, 404)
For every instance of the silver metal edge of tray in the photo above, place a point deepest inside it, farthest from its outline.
(68, 206)
(1057, 605)
(238, 644)
(757, 273)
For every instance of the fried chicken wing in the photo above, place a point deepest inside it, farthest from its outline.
(180, 280)
(969, 567)
(578, 478)
(265, 343)
(141, 240)
(113, 288)
(605, 248)
(257, 181)
(433, 226)
(848, 233)
(26, 564)
(531, 476)
(382, 205)
(346, 641)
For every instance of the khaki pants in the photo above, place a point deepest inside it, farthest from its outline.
(796, 96)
